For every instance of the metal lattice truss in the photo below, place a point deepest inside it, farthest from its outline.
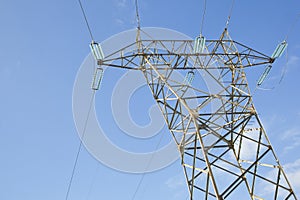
(225, 152)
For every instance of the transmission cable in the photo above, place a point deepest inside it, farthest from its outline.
(86, 21)
(203, 16)
(138, 33)
(137, 14)
(88, 114)
(80, 145)
(147, 167)
(287, 52)
(230, 13)
(292, 26)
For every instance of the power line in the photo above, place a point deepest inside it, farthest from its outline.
(137, 14)
(147, 167)
(89, 110)
(203, 16)
(292, 26)
(230, 13)
(80, 146)
(285, 68)
(86, 21)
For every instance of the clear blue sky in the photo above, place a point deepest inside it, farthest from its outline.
(42, 46)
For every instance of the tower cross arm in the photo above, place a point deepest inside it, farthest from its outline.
(179, 55)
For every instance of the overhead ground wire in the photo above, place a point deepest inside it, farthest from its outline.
(230, 13)
(137, 14)
(203, 17)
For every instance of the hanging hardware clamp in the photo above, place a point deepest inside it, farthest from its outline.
(199, 44)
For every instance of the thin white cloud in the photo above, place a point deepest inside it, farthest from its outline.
(121, 3)
(271, 121)
(292, 136)
(125, 13)
(248, 149)
(293, 173)
(119, 21)
(291, 133)
(176, 182)
(177, 185)
(293, 60)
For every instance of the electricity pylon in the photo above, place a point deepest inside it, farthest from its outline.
(224, 150)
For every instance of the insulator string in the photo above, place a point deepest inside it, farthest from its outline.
(285, 68)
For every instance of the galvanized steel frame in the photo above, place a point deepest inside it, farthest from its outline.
(212, 145)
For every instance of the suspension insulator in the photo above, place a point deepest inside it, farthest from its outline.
(199, 44)
(279, 49)
(98, 75)
(189, 77)
(97, 51)
(264, 75)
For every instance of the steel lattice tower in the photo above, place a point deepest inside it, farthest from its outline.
(225, 152)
